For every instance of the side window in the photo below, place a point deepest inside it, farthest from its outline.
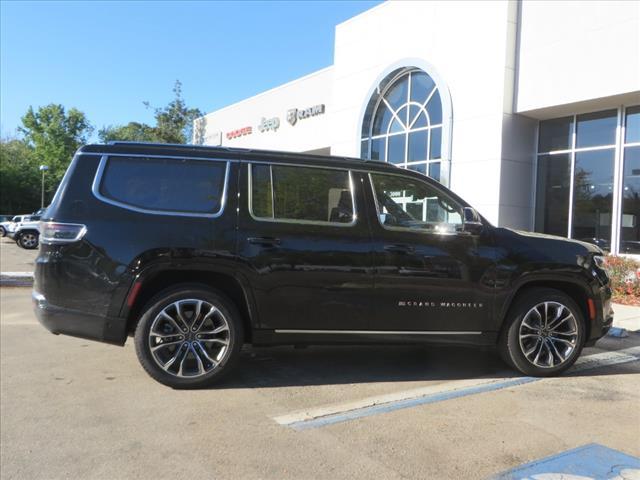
(305, 194)
(404, 202)
(164, 184)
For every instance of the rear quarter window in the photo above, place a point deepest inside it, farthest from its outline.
(165, 184)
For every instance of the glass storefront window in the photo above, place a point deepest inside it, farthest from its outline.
(555, 134)
(596, 129)
(632, 125)
(407, 124)
(553, 190)
(630, 211)
(593, 197)
(630, 198)
(578, 190)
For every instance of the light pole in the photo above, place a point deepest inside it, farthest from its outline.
(43, 168)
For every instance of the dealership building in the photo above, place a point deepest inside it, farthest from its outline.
(528, 110)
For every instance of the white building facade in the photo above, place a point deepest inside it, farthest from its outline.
(529, 110)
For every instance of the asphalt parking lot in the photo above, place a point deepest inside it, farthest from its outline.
(72, 408)
(14, 258)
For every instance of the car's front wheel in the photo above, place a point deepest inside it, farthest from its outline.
(3, 231)
(189, 336)
(545, 333)
(28, 240)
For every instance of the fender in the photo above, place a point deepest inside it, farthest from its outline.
(589, 287)
(186, 265)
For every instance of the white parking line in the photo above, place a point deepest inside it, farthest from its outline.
(335, 413)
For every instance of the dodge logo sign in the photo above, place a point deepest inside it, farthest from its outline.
(240, 132)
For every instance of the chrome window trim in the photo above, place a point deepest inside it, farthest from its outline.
(97, 180)
(403, 229)
(291, 220)
(380, 332)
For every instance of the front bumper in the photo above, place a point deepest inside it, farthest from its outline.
(600, 325)
(78, 324)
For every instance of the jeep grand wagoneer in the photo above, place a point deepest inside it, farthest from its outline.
(197, 250)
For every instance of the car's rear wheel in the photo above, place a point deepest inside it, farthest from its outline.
(188, 336)
(28, 240)
(545, 333)
(3, 231)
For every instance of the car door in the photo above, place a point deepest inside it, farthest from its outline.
(305, 247)
(432, 274)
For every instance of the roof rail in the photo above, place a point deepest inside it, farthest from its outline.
(233, 149)
(127, 142)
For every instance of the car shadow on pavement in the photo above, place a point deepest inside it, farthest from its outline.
(327, 365)
(271, 367)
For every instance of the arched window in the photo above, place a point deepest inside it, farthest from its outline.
(403, 123)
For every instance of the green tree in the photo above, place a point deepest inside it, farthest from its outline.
(54, 135)
(19, 177)
(173, 124)
(131, 132)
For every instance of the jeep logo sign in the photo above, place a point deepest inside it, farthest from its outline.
(296, 114)
(267, 124)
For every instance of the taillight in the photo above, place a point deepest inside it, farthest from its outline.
(54, 233)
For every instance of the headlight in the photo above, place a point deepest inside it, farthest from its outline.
(598, 261)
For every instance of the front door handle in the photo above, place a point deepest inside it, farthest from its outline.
(398, 248)
(264, 241)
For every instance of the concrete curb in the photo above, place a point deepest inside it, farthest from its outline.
(16, 279)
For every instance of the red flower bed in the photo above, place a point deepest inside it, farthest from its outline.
(625, 279)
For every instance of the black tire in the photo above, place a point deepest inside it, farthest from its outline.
(234, 335)
(28, 240)
(517, 339)
(3, 231)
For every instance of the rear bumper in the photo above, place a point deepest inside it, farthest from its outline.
(78, 324)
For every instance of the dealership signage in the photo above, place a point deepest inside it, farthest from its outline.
(267, 124)
(240, 132)
(295, 114)
(273, 124)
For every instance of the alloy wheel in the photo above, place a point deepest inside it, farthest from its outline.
(548, 334)
(189, 338)
(29, 240)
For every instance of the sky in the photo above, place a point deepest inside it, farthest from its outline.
(106, 58)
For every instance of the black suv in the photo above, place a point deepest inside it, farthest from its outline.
(197, 250)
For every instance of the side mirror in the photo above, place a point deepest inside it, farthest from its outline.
(472, 221)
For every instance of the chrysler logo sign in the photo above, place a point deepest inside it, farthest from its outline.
(295, 114)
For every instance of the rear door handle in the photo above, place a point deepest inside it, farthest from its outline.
(398, 248)
(264, 241)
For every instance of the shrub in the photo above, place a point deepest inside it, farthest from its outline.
(625, 279)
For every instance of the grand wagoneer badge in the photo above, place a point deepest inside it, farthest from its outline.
(441, 304)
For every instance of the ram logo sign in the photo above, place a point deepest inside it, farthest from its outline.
(295, 114)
